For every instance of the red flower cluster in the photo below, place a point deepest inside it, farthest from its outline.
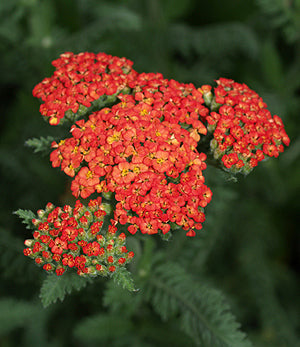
(79, 80)
(143, 150)
(72, 238)
(244, 131)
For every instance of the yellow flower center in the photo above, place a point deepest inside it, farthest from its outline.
(89, 174)
(124, 172)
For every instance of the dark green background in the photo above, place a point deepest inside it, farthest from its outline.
(254, 257)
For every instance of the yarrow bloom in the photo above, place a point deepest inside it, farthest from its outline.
(137, 140)
(73, 238)
(143, 149)
(137, 135)
(79, 82)
(244, 131)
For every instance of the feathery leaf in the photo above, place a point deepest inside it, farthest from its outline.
(102, 327)
(56, 287)
(26, 216)
(123, 278)
(203, 311)
(42, 144)
(14, 314)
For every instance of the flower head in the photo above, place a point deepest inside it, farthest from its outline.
(79, 81)
(73, 238)
(244, 131)
(141, 147)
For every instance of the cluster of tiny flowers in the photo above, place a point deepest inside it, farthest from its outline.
(72, 238)
(244, 131)
(144, 150)
(79, 80)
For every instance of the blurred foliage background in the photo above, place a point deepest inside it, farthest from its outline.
(249, 248)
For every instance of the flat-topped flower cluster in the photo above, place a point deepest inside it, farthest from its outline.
(143, 139)
(79, 80)
(244, 131)
(73, 238)
(143, 149)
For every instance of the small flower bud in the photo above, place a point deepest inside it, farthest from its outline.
(122, 261)
(39, 260)
(100, 239)
(27, 252)
(122, 237)
(130, 255)
(59, 271)
(29, 242)
(207, 97)
(41, 213)
(36, 234)
(49, 207)
(35, 222)
(112, 268)
(110, 259)
(107, 208)
(48, 267)
(67, 209)
(107, 195)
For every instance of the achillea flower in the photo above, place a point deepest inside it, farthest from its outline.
(73, 238)
(141, 148)
(244, 131)
(79, 81)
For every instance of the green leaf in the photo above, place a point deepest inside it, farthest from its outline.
(42, 144)
(56, 287)
(14, 314)
(119, 299)
(123, 278)
(282, 14)
(26, 216)
(103, 327)
(122, 17)
(203, 312)
(215, 40)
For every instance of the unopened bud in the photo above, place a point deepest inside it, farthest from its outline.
(28, 243)
(41, 213)
(213, 144)
(207, 94)
(35, 222)
(107, 195)
(107, 208)
(49, 207)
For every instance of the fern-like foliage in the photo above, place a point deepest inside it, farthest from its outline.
(200, 49)
(56, 287)
(28, 315)
(103, 327)
(104, 21)
(40, 145)
(214, 40)
(121, 300)
(273, 316)
(26, 216)
(203, 311)
(14, 314)
(284, 15)
(123, 278)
